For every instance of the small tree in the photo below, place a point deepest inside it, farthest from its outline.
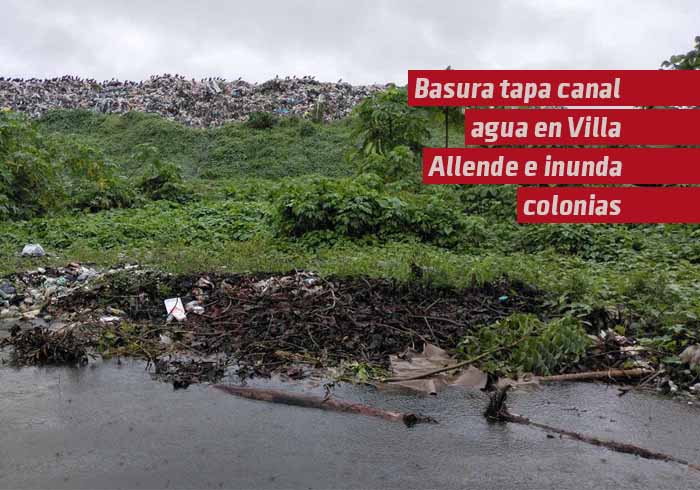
(398, 164)
(29, 178)
(385, 120)
(687, 61)
(160, 179)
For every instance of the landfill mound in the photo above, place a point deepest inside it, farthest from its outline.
(201, 103)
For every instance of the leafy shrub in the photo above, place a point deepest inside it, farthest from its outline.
(28, 175)
(344, 206)
(101, 195)
(306, 129)
(40, 174)
(687, 61)
(494, 201)
(252, 189)
(262, 120)
(528, 345)
(400, 163)
(385, 120)
(358, 208)
(161, 180)
(588, 241)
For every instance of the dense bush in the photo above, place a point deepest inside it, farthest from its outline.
(40, 174)
(161, 180)
(527, 345)
(161, 223)
(597, 242)
(290, 149)
(493, 201)
(96, 196)
(262, 120)
(28, 175)
(361, 207)
(385, 120)
(400, 163)
(306, 129)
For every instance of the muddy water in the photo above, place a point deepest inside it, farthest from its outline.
(111, 426)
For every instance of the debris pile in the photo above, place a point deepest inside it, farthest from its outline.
(267, 323)
(614, 351)
(264, 323)
(201, 103)
(184, 372)
(291, 324)
(40, 346)
(27, 295)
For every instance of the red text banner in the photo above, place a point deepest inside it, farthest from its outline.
(553, 87)
(561, 166)
(609, 205)
(581, 127)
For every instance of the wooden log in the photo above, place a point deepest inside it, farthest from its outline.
(498, 411)
(310, 401)
(590, 375)
(619, 447)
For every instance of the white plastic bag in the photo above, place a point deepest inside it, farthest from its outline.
(175, 309)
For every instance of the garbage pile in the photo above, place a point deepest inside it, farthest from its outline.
(26, 296)
(193, 328)
(264, 323)
(201, 103)
(39, 346)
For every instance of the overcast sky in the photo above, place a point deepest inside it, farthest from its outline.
(358, 41)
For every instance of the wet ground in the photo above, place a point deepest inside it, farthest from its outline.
(112, 426)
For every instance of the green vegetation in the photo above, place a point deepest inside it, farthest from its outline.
(537, 347)
(341, 199)
(289, 148)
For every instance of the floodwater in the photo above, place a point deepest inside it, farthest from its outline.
(110, 425)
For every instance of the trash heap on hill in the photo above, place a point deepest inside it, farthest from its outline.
(201, 103)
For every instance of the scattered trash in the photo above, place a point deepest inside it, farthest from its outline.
(7, 290)
(165, 340)
(109, 319)
(691, 355)
(194, 307)
(669, 387)
(175, 309)
(184, 372)
(86, 273)
(33, 250)
(205, 283)
(410, 366)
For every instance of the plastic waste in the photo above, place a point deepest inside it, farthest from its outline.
(33, 250)
(175, 309)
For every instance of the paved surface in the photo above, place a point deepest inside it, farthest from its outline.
(111, 426)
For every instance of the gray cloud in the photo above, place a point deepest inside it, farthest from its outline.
(360, 41)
